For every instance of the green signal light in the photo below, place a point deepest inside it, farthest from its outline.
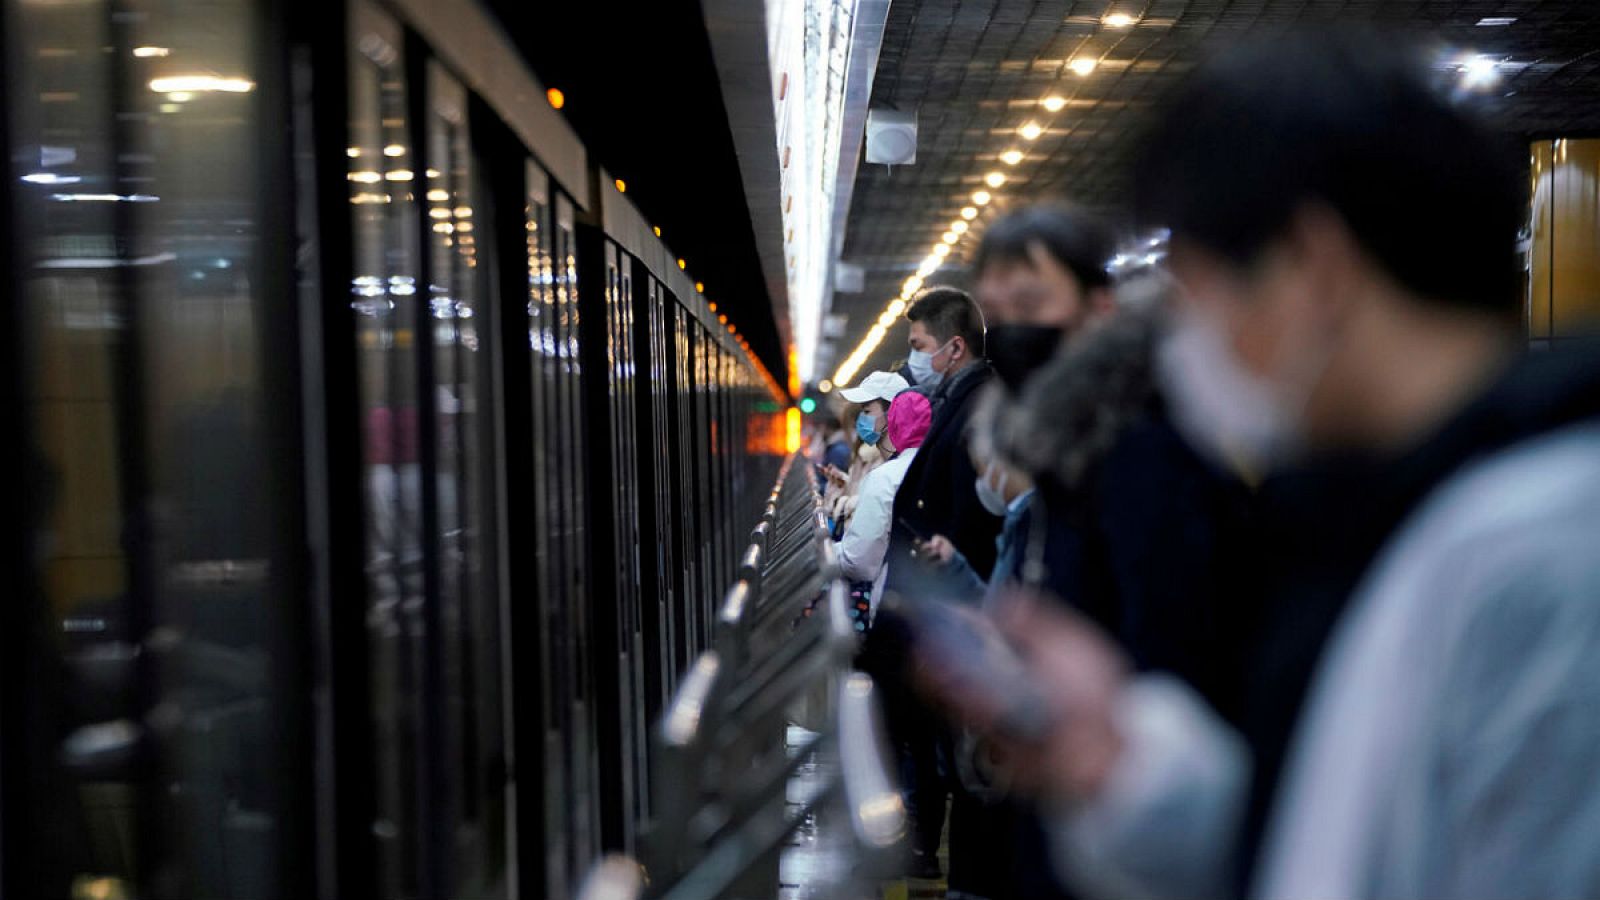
(808, 405)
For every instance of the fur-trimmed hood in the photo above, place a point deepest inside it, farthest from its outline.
(1072, 410)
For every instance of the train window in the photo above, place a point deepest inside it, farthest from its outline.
(384, 297)
(153, 645)
(468, 624)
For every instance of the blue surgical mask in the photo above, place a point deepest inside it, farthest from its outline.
(992, 496)
(867, 428)
(921, 365)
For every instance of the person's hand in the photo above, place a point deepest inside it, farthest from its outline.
(836, 476)
(937, 548)
(1080, 675)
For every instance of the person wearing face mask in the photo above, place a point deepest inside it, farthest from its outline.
(897, 429)
(1123, 523)
(1418, 663)
(843, 493)
(936, 496)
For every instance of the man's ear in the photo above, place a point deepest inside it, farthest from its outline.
(1332, 261)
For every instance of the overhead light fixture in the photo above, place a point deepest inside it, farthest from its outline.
(1030, 131)
(622, 186)
(969, 212)
(887, 319)
(51, 178)
(556, 97)
(682, 264)
(1011, 158)
(147, 52)
(1083, 65)
(982, 198)
(438, 195)
(941, 249)
(824, 386)
(1118, 20)
(657, 230)
(928, 267)
(896, 306)
(959, 226)
(394, 150)
(699, 287)
(950, 237)
(1479, 71)
(188, 84)
(1053, 103)
(1486, 22)
(398, 175)
(994, 179)
(912, 285)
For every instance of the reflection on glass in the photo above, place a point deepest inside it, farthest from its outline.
(142, 212)
(384, 298)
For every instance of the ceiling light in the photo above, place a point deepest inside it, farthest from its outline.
(941, 249)
(1118, 20)
(1479, 71)
(982, 198)
(928, 267)
(1083, 65)
(912, 285)
(994, 180)
(682, 264)
(398, 175)
(622, 186)
(824, 386)
(1053, 104)
(699, 287)
(182, 84)
(147, 52)
(556, 98)
(51, 178)
(969, 212)
(887, 319)
(1030, 131)
(394, 150)
(896, 306)
(1487, 22)
(438, 195)
(959, 226)
(1011, 158)
(950, 237)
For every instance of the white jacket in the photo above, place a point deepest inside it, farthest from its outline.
(866, 539)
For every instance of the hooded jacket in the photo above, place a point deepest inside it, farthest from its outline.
(1139, 532)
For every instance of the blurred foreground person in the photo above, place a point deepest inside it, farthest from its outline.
(1416, 715)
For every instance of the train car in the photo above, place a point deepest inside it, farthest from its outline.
(376, 469)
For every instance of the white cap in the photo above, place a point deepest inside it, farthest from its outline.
(877, 386)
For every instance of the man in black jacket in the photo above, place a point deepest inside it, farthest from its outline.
(936, 497)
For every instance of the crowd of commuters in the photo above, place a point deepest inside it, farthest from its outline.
(1296, 545)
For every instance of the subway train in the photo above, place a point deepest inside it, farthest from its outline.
(375, 466)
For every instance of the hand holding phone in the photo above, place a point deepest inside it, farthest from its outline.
(965, 659)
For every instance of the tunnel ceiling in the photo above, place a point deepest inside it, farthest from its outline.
(977, 70)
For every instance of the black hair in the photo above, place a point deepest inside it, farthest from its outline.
(948, 312)
(1074, 238)
(1359, 125)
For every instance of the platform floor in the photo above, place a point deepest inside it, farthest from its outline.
(816, 850)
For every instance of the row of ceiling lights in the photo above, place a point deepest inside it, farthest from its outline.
(557, 100)
(1477, 71)
(1082, 66)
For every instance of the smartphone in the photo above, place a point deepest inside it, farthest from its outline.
(961, 642)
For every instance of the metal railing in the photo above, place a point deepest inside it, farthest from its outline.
(722, 764)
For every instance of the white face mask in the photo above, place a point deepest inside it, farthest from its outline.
(992, 497)
(1228, 413)
(921, 365)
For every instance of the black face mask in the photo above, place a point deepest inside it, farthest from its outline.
(1017, 351)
